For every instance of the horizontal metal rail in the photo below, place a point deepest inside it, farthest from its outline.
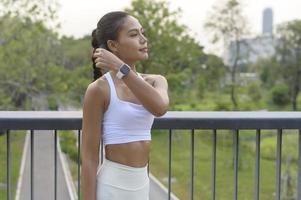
(72, 120)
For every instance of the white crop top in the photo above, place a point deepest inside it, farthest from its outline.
(124, 121)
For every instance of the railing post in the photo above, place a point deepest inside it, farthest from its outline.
(169, 162)
(192, 165)
(278, 164)
(8, 165)
(236, 145)
(213, 165)
(299, 166)
(55, 164)
(257, 170)
(31, 164)
(78, 165)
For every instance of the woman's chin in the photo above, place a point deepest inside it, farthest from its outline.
(144, 57)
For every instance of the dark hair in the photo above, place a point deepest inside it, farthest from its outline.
(108, 28)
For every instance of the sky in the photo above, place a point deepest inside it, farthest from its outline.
(79, 18)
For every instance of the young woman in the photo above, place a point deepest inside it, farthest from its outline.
(119, 109)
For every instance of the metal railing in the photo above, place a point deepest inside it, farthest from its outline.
(236, 121)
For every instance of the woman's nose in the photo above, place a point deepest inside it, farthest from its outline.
(143, 39)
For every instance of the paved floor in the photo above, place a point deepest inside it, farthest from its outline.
(158, 191)
(43, 171)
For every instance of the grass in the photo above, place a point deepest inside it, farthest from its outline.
(17, 139)
(181, 148)
(224, 171)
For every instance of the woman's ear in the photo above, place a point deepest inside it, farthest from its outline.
(112, 45)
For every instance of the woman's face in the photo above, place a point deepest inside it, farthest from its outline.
(131, 43)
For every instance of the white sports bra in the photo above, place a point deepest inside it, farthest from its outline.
(124, 121)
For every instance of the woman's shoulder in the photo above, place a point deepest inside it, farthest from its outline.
(152, 76)
(98, 88)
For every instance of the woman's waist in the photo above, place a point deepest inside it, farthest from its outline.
(134, 154)
(125, 136)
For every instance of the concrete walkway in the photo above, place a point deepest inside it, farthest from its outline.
(44, 173)
(43, 170)
(158, 191)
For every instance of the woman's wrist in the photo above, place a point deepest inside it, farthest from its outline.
(117, 66)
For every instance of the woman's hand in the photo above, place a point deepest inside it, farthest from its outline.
(104, 59)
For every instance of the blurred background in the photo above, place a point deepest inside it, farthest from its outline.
(224, 55)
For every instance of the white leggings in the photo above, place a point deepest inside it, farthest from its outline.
(121, 182)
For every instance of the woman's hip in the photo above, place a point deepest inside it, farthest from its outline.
(117, 181)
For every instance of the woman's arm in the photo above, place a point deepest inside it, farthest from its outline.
(152, 93)
(93, 109)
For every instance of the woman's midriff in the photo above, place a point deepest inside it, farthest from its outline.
(134, 154)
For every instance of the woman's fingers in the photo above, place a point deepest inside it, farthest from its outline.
(98, 52)
(105, 59)
(100, 62)
(98, 59)
(95, 55)
(101, 65)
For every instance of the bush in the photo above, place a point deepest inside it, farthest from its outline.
(289, 147)
(280, 95)
(68, 143)
(254, 91)
(52, 104)
(222, 105)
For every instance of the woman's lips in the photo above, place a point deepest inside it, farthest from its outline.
(144, 50)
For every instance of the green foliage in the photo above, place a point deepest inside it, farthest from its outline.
(181, 155)
(77, 52)
(201, 86)
(214, 72)
(289, 147)
(38, 11)
(226, 22)
(268, 70)
(280, 95)
(228, 26)
(68, 141)
(289, 54)
(222, 105)
(35, 62)
(52, 104)
(17, 139)
(28, 52)
(254, 91)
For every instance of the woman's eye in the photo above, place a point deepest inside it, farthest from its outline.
(133, 35)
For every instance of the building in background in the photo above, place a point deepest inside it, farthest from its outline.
(267, 22)
(252, 49)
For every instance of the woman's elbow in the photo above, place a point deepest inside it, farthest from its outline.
(160, 110)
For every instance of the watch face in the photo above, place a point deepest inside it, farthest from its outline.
(125, 69)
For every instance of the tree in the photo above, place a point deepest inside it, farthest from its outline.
(30, 54)
(268, 71)
(228, 25)
(214, 71)
(173, 52)
(288, 52)
(42, 11)
(76, 52)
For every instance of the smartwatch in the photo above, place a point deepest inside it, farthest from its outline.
(123, 71)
